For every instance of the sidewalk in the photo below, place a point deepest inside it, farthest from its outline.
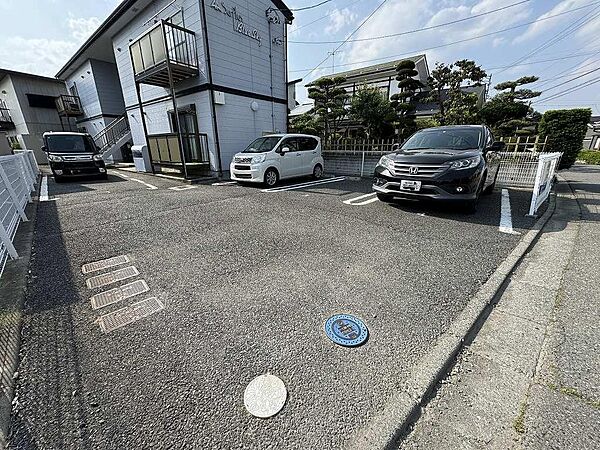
(531, 377)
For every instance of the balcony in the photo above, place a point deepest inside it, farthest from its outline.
(165, 150)
(69, 106)
(6, 122)
(166, 53)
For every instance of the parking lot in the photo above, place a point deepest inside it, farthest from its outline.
(244, 279)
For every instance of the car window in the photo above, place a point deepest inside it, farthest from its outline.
(308, 143)
(69, 144)
(445, 138)
(290, 143)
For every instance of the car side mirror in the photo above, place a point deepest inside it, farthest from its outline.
(44, 149)
(285, 150)
(497, 146)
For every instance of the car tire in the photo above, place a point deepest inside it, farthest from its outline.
(58, 179)
(318, 172)
(471, 205)
(384, 198)
(271, 178)
(103, 177)
(490, 189)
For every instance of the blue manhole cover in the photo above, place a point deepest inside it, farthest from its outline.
(346, 330)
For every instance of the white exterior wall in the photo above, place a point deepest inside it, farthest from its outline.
(83, 78)
(237, 61)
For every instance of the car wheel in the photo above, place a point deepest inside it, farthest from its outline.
(271, 177)
(318, 172)
(385, 198)
(471, 205)
(488, 190)
(103, 177)
(58, 179)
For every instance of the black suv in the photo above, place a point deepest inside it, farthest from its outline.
(444, 163)
(73, 154)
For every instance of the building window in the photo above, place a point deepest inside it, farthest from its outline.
(73, 90)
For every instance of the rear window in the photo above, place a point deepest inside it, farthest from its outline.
(307, 143)
(70, 144)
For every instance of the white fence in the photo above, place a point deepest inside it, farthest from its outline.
(18, 177)
(519, 169)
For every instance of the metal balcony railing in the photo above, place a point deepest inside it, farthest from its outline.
(6, 122)
(112, 133)
(69, 106)
(163, 54)
(165, 148)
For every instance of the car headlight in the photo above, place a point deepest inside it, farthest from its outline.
(54, 158)
(465, 163)
(258, 159)
(386, 162)
(97, 157)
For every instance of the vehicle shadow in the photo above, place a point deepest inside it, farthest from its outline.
(52, 411)
(83, 184)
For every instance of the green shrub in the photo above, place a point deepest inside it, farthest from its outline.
(565, 129)
(589, 156)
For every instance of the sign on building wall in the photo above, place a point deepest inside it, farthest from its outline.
(238, 21)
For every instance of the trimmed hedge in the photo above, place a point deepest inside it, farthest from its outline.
(589, 156)
(565, 129)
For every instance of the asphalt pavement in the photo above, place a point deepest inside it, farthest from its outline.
(246, 280)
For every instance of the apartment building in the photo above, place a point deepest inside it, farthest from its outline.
(31, 105)
(199, 79)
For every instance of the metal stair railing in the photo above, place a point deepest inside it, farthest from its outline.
(112, 133)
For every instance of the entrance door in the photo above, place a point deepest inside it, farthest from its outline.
(189, 133)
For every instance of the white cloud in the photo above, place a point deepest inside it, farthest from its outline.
(539, 28)
(338, 19)
(82, 27)
(45, 56)
(399, 15)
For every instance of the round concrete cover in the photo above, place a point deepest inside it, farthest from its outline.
(265, 396)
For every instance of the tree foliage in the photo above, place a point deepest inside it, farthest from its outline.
(565, 130)
(306, 123)
(374, 111)
(329, 99)
(507, 113)
(457, 106)
(404, 102)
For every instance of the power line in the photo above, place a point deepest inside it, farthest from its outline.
(543, 83)
(572, 79)
(539, 61)
(450, 43)
(349, 36)
(416, 30)
(569, 90)
(311, 6)
(321, 18)
(559, 36)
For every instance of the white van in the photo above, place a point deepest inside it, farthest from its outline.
(276, 157)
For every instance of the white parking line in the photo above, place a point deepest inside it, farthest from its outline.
(44, 190)
(305, 185)
(506, 215)
(149, 186)
(182, 188)
(224, 183)
(354, 201)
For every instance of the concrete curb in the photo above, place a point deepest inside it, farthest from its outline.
(12, 293)
(389, 426)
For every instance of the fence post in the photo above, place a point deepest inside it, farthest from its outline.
(362, 164)
(5, 238)
(12, 194)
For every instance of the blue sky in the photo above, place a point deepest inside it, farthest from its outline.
(55, 28)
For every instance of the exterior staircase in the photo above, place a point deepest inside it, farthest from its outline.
(112, 138)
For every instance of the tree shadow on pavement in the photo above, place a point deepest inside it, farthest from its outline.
(50, 408)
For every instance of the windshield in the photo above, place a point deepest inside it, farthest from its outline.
(454, 139)
(264, 144)
(70, 144)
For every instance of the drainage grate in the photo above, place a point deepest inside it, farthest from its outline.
(117, 294)
(111, 277)
(104, 264)
(129, 314)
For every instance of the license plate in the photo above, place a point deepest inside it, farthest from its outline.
(410, 185)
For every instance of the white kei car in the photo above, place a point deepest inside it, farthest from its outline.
(276, 157)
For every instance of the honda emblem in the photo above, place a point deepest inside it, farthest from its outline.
(413, 170)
